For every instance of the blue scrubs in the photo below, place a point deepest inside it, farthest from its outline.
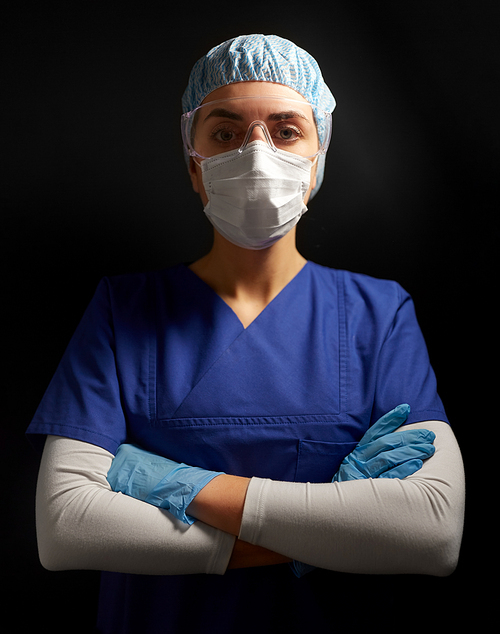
(160, 360)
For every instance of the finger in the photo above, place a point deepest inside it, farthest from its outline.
(404, 470)
(393, 441)
(387, 423)
(388, 460)
(348, 472)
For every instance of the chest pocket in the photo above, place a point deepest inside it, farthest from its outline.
(319, 461)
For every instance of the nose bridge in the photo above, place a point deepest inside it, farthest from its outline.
(257, 131)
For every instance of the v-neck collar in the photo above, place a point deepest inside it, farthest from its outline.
(228, 308)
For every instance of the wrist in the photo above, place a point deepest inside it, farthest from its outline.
(220, 503)
(247, 555)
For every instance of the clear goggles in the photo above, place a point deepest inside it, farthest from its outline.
(230, 124)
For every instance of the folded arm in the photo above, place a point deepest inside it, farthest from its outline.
(378, 526)
(83, 524)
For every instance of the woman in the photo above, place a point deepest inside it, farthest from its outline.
(263, 370)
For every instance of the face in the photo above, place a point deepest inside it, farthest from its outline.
(224, 127)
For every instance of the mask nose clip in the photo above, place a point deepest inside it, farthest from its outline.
(267, 136)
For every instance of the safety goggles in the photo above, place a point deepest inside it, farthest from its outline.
(230, 124)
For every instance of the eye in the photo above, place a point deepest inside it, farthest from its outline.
(224, 136)
(288, 134)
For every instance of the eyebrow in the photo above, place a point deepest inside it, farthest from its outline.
(275, 116)
(224, 114)
(289, 114)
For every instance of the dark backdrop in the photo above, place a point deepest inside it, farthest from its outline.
(94, 184)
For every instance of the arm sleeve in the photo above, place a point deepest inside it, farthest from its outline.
(382, 526)
(83, 524)
(403, 372)
(83, 400)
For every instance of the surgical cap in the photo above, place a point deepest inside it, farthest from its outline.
(260, 58)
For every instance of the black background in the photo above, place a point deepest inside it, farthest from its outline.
(94, 184)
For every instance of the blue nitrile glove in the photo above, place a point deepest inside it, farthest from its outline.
(158, 481)
(383, 453)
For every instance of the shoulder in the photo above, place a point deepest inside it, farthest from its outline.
(137, 287)
(132, 298)
(359, 287)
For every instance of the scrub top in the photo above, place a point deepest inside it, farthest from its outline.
(160, 360)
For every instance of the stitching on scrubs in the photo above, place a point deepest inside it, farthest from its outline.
(342, 342)
(58, 427)
(249, 420)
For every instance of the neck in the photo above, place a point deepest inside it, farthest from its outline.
(248, 280)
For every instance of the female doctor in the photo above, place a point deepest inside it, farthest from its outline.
(233, 390)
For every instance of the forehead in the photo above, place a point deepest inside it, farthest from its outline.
(256, 100)
(253, 89)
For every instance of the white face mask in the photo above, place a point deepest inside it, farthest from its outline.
(255, 196)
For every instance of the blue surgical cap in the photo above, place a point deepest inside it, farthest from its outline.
(260, 58)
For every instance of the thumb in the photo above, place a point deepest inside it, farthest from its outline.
(387, 423)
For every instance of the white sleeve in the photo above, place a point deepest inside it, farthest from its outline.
(83, 524)
(379, 526)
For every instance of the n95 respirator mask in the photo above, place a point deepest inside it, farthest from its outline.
(255, 195)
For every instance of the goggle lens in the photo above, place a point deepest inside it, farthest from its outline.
(229, 124)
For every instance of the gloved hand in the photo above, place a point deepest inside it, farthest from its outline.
(156, 480)
(383, 453)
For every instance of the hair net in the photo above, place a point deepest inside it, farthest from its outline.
(260, 58)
